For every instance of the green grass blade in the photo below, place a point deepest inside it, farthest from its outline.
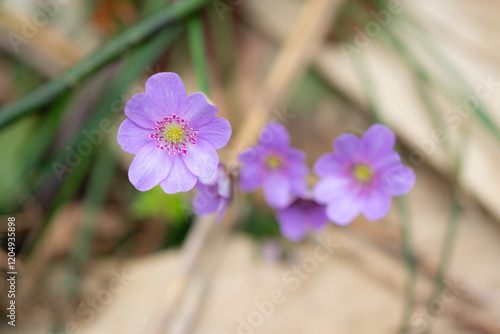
(197, 49)
(102, 56)
(367, 83)
(409, 258)
(430, 46)
(95, 196)
(451, 227)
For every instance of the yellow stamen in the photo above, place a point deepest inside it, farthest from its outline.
(363, 173)
(174, 134)
(274, 162)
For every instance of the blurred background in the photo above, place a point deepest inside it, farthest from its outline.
(93, 255)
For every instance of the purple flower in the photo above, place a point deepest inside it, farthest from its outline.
(213, 194)
(361, 176)
(174, 136)
(274, 165)
(302, 215)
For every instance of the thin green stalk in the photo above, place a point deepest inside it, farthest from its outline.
(456, 76)
(451, 227)
(367, 83)
(103, 55)
(99, 184)
(421, 76)
(68, 189)
(197, 49)
(35, 149)
(409, 258)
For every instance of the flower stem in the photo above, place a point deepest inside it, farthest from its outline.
(409, 261)
(451, 228)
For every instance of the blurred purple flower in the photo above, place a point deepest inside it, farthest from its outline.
(274, 165)
(302, 215)
(361, 176)
(213, 194)
(174, 136)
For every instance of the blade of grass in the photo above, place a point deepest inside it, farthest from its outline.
(45, 133)
(422, 81)
(103, 55)
(430, 46)
(197, 49)
(367, 83)
(409, 258)
(451, 227)
(100, 181)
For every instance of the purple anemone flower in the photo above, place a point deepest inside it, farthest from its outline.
(273, 164)
(213, 194)
(302, 215)
(361, 176)
(174, 136)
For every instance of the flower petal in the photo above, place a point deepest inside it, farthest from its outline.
(216, 133)
(251, 154)
(294, 154)
(206, 201)
(299, 186)
(224, 185)
(386, 161)
(149, 167)
(348, 146)
(378, 140)
(292, 225)
(132, 137)
(201, 159)
(168, 90)
(179, 179)
(343, 210)
(250, 177)
(330, 188)
(376, 206)
(275, 135)
(277, 191)
(223, 203)
(398, 180)
(197, 111)
(143, 110)
(317, 217)
(330, 164)
(296, 162)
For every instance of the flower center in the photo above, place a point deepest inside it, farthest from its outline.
(173, 134)
(274, 162)
(363, 173)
